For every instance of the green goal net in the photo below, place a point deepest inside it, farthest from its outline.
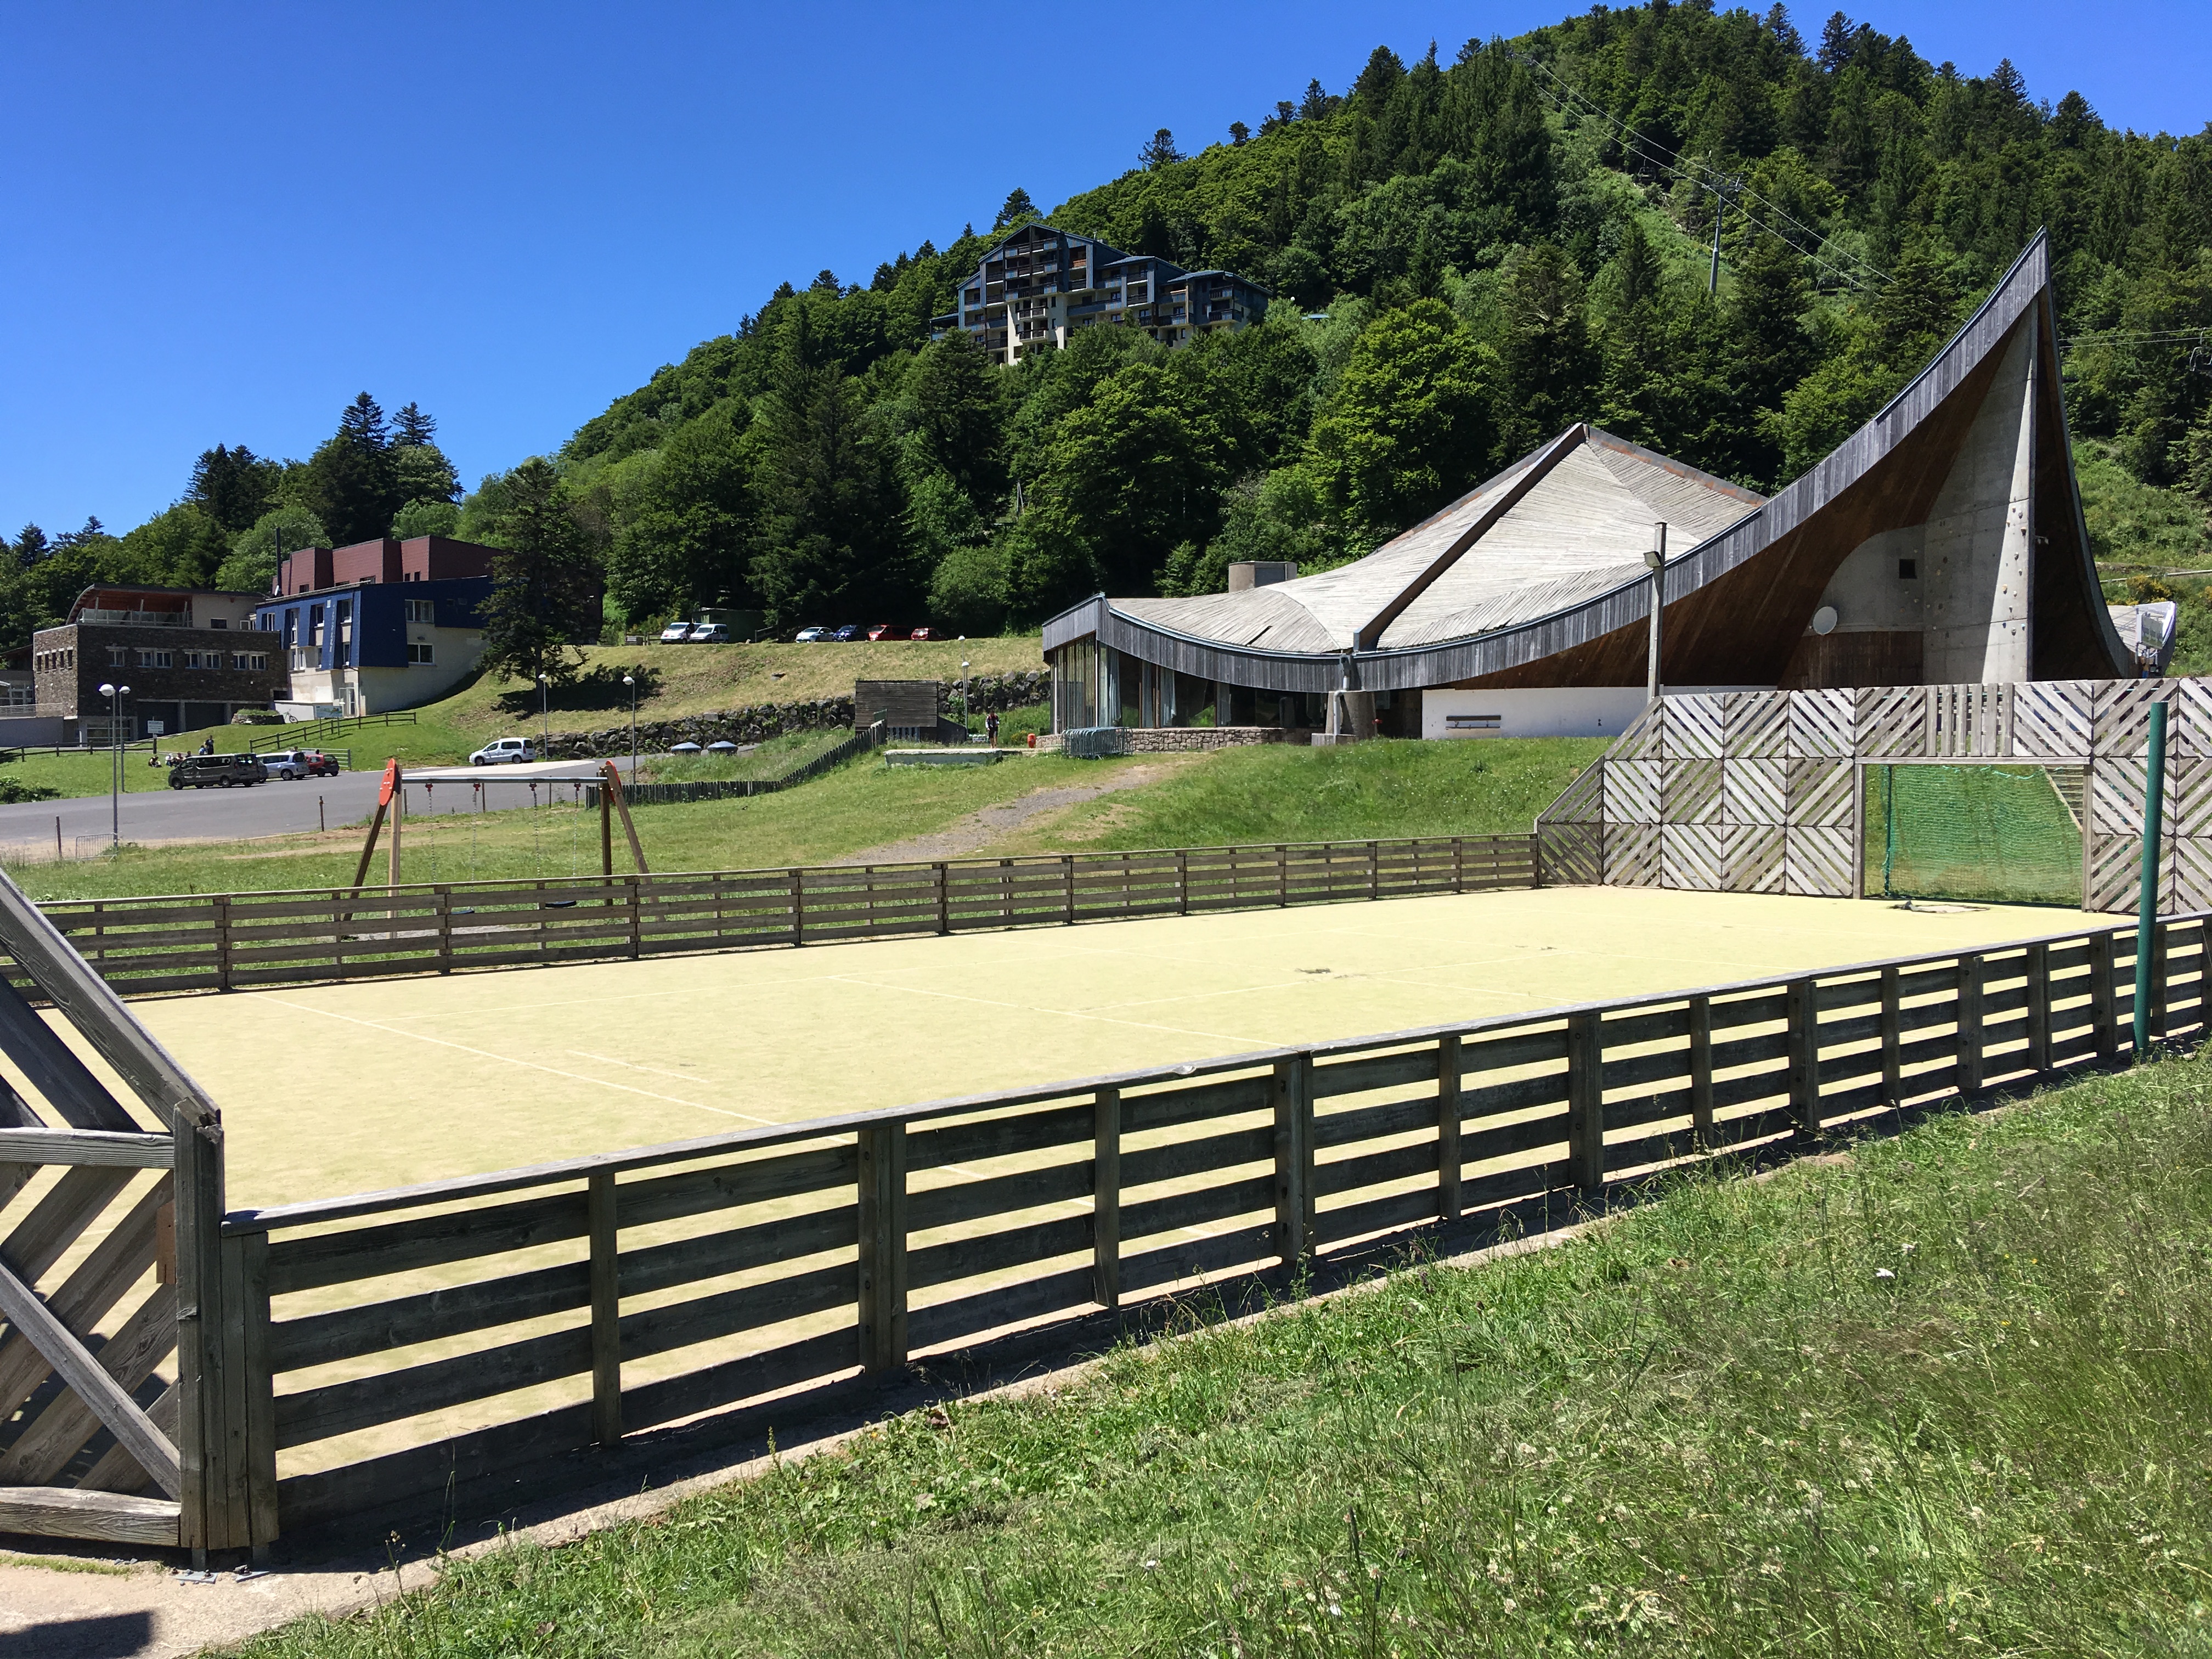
(2007, 835)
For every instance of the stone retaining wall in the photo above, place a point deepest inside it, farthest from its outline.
(758, 722)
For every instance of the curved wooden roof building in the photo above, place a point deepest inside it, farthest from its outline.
(1946, 535)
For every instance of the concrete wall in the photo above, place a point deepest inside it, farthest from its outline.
(1963, 611)
(1581, 711)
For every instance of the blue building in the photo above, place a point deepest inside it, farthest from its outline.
(380, 625)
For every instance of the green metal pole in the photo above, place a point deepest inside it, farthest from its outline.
(2146, 896)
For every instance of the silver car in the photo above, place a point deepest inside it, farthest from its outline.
(504, 751)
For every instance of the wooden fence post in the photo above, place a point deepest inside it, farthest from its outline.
(1067, 884)
(1374, 870)
(1182, 881)
(1892, 1038)
(1701, 1071)
(1106, 1197)
(1459, 865)
(258, 1383)
(204, 1522)
(636, 917)
(1449, 1107)
(602, 1226)
(1970, 1023)
(1804, 1049)
(798, 909)
(2104, 1004)
(445, 902)
(2036, 964)
(882, 1249)
(1291, 1093)
(222, 941)
(1282, 876)
(944, 898)
(1585, 1102)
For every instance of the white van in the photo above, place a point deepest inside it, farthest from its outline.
(504, 751)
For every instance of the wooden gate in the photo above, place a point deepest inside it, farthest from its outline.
(115, 1419)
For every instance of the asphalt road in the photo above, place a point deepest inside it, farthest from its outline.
(267, 809)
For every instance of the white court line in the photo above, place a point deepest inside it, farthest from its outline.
(531, 1065)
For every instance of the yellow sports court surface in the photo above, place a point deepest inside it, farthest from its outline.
(328, 1089)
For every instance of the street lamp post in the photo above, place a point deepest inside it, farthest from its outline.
(115, 694)
(630, 680)
(1656, 561)
(544, 716)
(964, 694)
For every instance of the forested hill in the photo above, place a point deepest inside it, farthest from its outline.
(1469, 251)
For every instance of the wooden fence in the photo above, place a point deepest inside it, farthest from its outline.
(229, 941)
(397, 1345)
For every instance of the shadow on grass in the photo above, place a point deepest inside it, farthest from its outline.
(597, 689)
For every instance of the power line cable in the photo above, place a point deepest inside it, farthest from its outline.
(1725, 186)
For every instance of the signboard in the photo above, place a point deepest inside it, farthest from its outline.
(155, 728)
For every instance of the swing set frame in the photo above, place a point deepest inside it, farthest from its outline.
(392, 802)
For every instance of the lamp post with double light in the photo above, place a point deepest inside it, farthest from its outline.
(115, 694)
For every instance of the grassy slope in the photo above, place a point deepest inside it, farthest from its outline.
(1276, 793)
(1944, 1395)
(2138, 532)
(1254, 795)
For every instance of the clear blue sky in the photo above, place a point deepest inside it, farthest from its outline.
(223, 221)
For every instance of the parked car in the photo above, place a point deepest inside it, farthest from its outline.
(848, 633)
(198, 771)
(675, 633)
(885, 631)
(711, 634)
(921, 633)
(504, 751)
(811, 636)
(293, 764)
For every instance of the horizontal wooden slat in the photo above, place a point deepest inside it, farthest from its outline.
(363, 1402)
(334, 1258)
(110, 1148)
(69, 1512)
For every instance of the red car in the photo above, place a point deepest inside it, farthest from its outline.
(883, 631)
(921, 633)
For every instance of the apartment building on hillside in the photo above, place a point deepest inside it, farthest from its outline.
(377, 625)
(1039, 285)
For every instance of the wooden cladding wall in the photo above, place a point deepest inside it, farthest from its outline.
(1760, 791)
(399, 1345)
(222, 942)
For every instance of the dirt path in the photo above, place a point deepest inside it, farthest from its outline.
(973, 835)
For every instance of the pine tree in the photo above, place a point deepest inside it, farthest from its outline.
(351, 479)
(1159, 151)
(412, 427)
(1836, 43)
(1316, 104)
(1238, 132)
(234, 487)
(1018, 210)
(545, 584)
(30, 546)
(1784, 31)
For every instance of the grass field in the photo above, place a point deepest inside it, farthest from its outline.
(1942, 1394)
(1267, 793)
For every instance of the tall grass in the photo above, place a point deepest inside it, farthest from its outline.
(1948, 1394)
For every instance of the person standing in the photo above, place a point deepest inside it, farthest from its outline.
(991, 726)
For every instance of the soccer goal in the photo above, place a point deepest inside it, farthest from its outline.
(1993, 833)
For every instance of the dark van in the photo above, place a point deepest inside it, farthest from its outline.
(198, 771)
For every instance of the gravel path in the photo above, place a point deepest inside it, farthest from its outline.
(974, 834)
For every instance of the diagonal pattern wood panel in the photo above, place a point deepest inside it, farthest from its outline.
(1823, 724)
(1820, 792)
(1757, 724)
(1752, 859)
(1691, 792)
(1697, 725)
(1818, 862)
(1691, 856)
